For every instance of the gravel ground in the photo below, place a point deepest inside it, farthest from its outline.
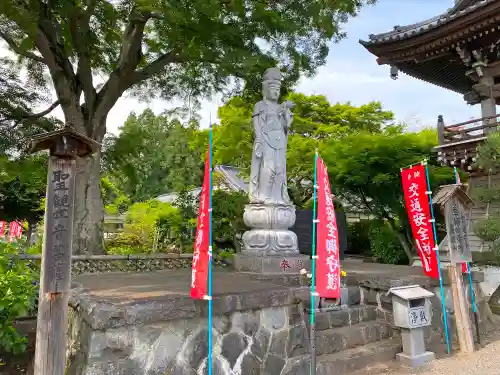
(485, 361)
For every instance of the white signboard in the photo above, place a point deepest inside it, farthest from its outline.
(417, 317)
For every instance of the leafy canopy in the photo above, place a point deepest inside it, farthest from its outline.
(175, 48)
(152, 156)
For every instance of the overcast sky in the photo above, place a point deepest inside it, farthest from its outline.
(352, 74)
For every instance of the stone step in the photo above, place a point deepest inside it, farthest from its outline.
(343, 363)
(339, 318)
(338, 339)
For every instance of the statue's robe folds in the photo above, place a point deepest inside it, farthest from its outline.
(268, 171)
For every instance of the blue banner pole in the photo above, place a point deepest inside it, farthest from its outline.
(312, 323)
(436, 250)
(471, 284)
(210, 306)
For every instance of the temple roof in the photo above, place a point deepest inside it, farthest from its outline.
(461, 9)
(447, 49)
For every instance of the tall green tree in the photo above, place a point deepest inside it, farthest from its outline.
(152, 156)
(178, 48)
(364, 169)
(315, 122)
(22, 176)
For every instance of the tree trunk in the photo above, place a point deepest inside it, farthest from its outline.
(406, 247)
(89, 210)
(402, 239)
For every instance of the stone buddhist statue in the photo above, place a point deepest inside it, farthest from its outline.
(269, 246)
(271, 122)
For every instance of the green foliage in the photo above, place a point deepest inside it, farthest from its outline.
(316, 121)
(486, 195)
(488, 157)
(227, 219)
(358, 239)
(152, 156)
(17, 297)
(115, 202)
(488, 229)
(385, 246)
(364, 170)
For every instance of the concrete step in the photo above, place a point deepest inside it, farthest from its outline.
(343, 363)
(339, 318)
(338, 339)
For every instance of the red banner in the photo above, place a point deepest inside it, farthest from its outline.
(19, 230)
(328, 264)
(3, 224)
(12, 231)
(417, 205)
(199, 273)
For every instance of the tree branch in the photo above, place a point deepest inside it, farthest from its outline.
(155, 67)
(43, 113)
(130, 56)
(13, 46)
(79, 29)
(60, 68)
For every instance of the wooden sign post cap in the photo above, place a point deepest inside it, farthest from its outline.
(64, 143)
(446, 192)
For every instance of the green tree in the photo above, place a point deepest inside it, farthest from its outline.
(22, 176)
(152, 156)
(364, 170)
(315, 122)
(179, 48)
(488, 228)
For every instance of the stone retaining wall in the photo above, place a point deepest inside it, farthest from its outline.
(375, 293)
(265, 340)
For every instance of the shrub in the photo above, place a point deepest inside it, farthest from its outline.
(142, 221)
(384, 244)
(18, 294)
(358, 240)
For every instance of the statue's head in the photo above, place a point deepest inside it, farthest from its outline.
(271, 84)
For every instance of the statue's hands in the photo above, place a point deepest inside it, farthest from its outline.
(289, 104)
(257, 149)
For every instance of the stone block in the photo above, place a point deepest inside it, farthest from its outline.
(278, 343)
(350, 360)
(233, 344)
(246, 321)
(298, 341)
(274, 318)
(273, 264)
(297, 366)
(416, 360)
(273, 365)
(250, 365)
(260, 343)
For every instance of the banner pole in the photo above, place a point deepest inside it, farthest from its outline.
(210, 312)
(471, 285)
(436, 249)
(312, 323)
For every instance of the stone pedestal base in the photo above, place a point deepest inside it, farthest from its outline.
(414, 353)
(416, 360)
(272, 264)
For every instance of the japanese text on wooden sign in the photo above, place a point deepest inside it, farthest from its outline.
(457, 228)
(418, 208)
(199, 271)
(59, 226)
(328, 264)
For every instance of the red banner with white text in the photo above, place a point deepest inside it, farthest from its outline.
(417, 205)
(328, 264)
(199, 273)
(12, 231)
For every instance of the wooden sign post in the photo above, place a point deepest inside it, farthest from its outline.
(455, 202)
(55, 278)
